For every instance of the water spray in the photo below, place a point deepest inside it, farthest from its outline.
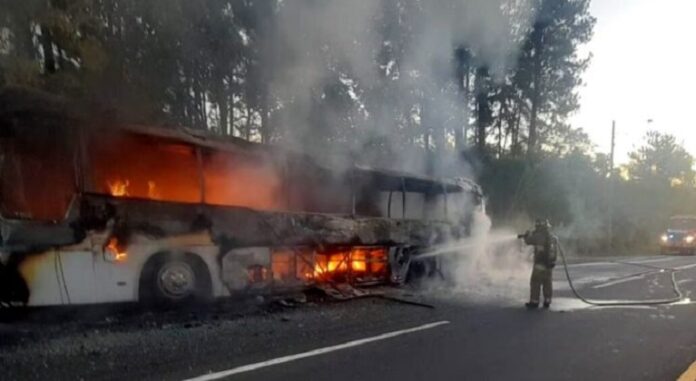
(474, 242)
(464, 244)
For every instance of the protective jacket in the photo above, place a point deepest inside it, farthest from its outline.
(545, 247)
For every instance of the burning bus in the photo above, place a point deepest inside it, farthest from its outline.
(94, 210)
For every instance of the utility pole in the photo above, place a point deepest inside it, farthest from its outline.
(463, 58)
(613, 148)
(610, 193)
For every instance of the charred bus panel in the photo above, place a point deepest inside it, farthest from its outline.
(101, 212)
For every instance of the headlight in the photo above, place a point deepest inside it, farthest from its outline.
(689, 239)
(664, 238)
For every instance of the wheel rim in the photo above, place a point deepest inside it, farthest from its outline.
(176, 280)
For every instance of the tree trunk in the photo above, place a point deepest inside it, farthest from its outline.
(462, 57)
(480, 129)
(499, 126)
(247, 127)
(224, 111)
(265, 123)
(438, 132)
(467, 94)
(197, 101)
(482, 108)
(538, 43)
(204, 110)
(532, 140)
(49, 59)
(232, 104)
(427, 138)
(515, 128)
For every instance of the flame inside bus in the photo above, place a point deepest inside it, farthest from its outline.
(358, 264)
(351, 262)
(115, 251)
(143, 167)
(118, 188)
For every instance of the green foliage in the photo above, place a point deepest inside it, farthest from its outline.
(229, 66)
(550, 68)
(662, 160)
(548, 189)
(592, 211)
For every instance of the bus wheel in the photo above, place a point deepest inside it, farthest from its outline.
(175, 279)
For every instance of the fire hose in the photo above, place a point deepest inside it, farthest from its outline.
(652, 302)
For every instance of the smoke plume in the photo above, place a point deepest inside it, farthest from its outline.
(384, 54)
(491, 265)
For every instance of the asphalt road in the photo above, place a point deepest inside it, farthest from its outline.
(472, 333)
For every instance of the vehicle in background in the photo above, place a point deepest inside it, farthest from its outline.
(680, 237)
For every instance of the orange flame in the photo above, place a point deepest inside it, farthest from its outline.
(327, 264)
(152, 191)
(361, 260)
(118, 188)
(358, 260)
(358, 263)
(118, 253)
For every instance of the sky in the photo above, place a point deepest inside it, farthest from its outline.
(643, 68)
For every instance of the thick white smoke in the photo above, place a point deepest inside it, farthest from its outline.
(314, 40)
(490, 265)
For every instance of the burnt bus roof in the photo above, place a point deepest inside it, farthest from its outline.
(19, 102)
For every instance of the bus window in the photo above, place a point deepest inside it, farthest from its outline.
(313, 189)
(234, 179)
(140, 166)
(37, 178)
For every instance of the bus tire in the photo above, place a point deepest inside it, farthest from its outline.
(170, 279)
(13, 287)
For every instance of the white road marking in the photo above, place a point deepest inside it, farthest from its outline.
(314, 352)
(588, 264)
(623, 261)
(643, 275)
(652, 260)
(619, 281)
(685, 267)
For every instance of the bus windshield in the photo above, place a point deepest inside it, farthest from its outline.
(37, 177)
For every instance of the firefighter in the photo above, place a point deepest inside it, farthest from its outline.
(545, 253)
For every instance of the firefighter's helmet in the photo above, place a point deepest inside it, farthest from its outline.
(542, 224)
